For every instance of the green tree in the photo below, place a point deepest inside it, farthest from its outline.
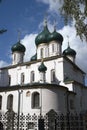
(77, 10)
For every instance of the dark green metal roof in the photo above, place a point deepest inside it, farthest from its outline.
(55, 36)
(45, 36)
(69, 51)
(18, 47)
(34, 58)
(42, 67)
(42, 37)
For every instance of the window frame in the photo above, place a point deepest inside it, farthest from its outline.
(0, 102)
(53, 48)
(41, 52)
(22, 78)
(10, 102)
(32, 76)
(53, 76)
(35, 100)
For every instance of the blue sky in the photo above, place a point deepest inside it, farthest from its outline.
(27, 16)
(23, 15)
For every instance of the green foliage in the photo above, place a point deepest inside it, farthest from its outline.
(77, 10)
(2, 31)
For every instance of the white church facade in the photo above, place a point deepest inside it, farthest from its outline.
(51, 80)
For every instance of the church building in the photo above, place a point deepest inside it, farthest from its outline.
(51, 80)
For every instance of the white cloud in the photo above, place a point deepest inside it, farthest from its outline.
(75, 43)
(3, 63)
(29, 43)
(54, 5)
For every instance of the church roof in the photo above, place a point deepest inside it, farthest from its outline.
(34, 57)
(55, 36)
(69, 51)
(18, 47)
(42, 67)
(45, 36)
(42, 37)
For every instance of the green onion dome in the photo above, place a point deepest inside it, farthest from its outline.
(34, 58)
(18, 47)
(42, 67)
(55, 36)
(42, 37)
(69, 51)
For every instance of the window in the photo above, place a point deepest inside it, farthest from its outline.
(48, 51)
(32, 76)
(14, 57)
(9, 80)
(71, 104)
(28, 94)
(35, 100)
(0, 102)
(22, 78)
(41, 52)
(53, 49)
(10, 102)
(53, 75)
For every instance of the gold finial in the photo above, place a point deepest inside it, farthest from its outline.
(68, 40)
(19, 34)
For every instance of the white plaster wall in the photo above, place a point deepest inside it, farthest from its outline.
(45, 50)
(78, 98)
(4, 100)
(15, 73)
(4, 77)
(61, 66)
(71, 58)
(57, 48)
(84, 99)
(53, 99)
(18, 57)
(50, 98)
(73, 73)
(69, 86)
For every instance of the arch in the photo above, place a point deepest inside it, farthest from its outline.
(32, 76)
(53, 77)
(0, 102)
(27, 93)
(41, 52)
(22, 78)
(10, 102)
(35, 100)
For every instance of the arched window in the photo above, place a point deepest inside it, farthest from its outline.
(10, 102)
(28, 94)
(53, 48)
(22, 78)
(32, 76)
(0, 102)
(53, 78)
(41, 52)
(9, 80)
(14, 57)
(35, 100)
(71, 104)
